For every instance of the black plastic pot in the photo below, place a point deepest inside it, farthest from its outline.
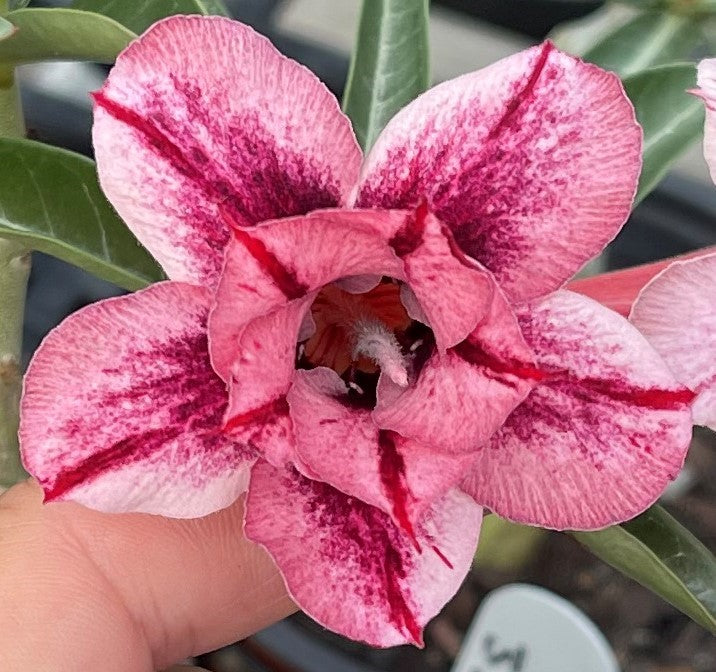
(531, 17)
(678, 217)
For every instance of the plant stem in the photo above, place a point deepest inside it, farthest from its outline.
(12, 124)
(14, 273)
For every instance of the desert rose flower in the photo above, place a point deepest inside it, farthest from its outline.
(375, 348)
(676, 310)
(673, 302)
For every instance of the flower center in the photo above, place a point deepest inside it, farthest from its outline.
(359, 332)
(376, 342)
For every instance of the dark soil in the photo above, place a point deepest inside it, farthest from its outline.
(648, 635)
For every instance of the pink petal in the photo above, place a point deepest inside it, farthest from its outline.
(707, 82)
(122, 410)
(261, 374)
(460, 398)
(618, 290)
(202, 121)
(453, 291)
(349, 567)
(532, 162)
(359, 284)
(598, 441)
(676, 312)
(338, 443)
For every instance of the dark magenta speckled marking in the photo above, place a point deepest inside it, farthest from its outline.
(370, 538)
(251, 177)
(188, 390)
(498, 186)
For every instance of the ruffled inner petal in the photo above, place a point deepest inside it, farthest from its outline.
(461, 397)
(338, 443)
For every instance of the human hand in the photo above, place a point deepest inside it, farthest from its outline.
(82, 590)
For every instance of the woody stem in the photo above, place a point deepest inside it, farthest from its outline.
(14, 273)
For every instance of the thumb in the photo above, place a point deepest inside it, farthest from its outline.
(144, 589)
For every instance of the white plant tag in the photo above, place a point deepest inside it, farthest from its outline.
(522, 628)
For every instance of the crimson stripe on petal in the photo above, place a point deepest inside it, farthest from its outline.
(162, 143)
(522, 96)
(654, 398)
(286, 280)
(130, 449)
(334, 549)
(267, 413)
(392, 474)
(474, 352)
(598, 441)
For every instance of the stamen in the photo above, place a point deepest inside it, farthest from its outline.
(355, 387)
(374, 340)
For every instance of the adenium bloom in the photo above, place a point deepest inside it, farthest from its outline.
(676, 311)
(673, 302)
(377, 347)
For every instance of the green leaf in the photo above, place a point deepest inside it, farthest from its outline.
(138, 15)
(658, 552)
(216, 7)
(63, 34)
(6, 28)
(671, 118)
(677, 6)
(50, 201)
(649, 39)
(579, 35)
(390, 64)
(18, 4)
(506, 546)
